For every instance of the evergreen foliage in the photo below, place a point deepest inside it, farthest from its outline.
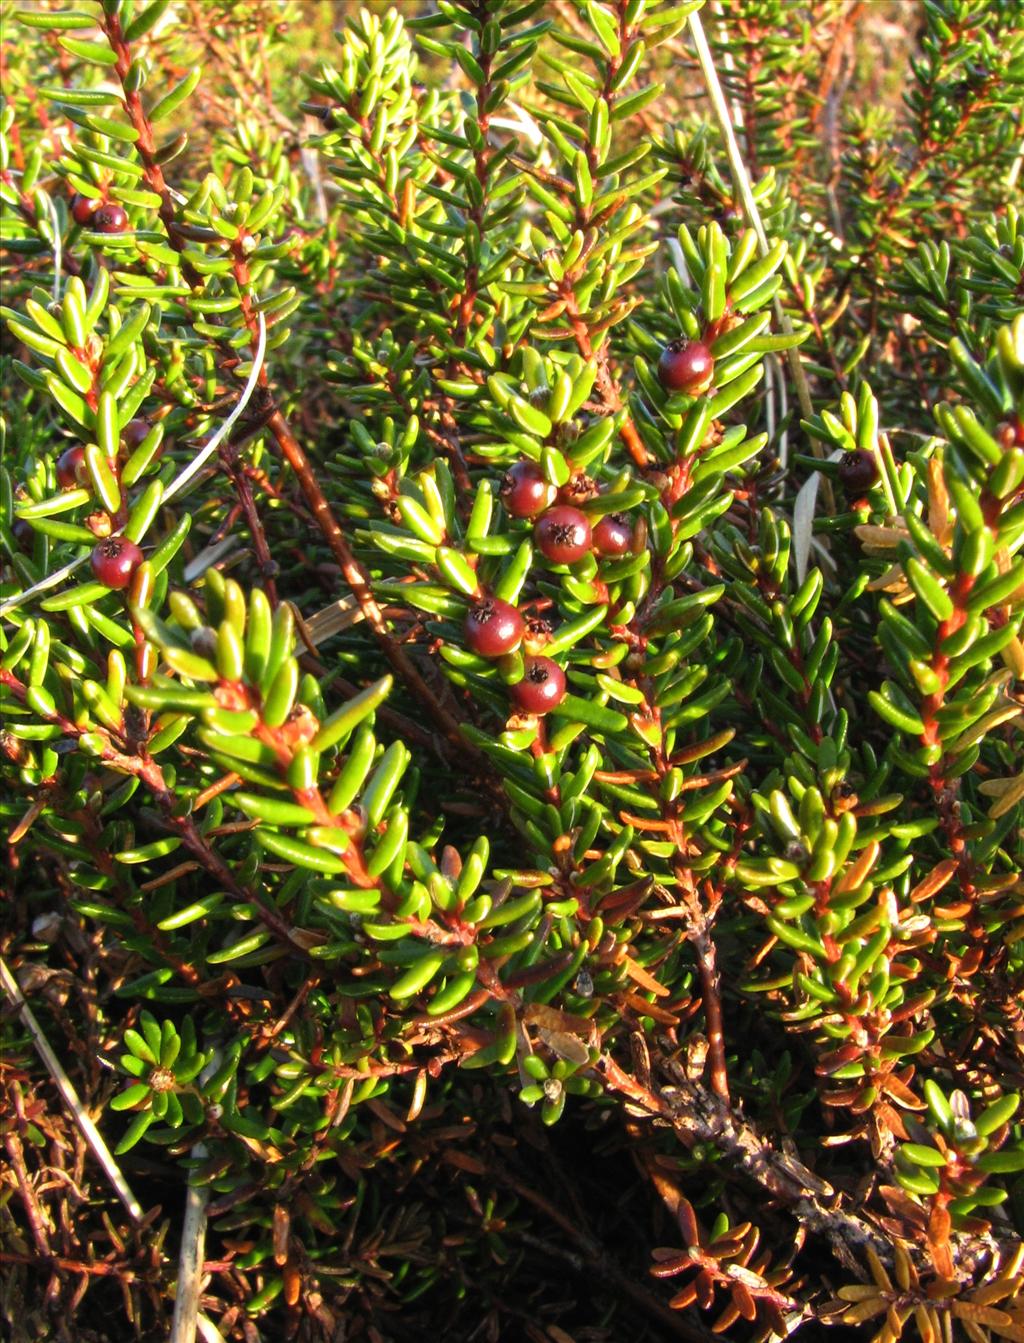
(325, 919)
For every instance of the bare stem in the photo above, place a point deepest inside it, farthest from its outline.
(358, 580)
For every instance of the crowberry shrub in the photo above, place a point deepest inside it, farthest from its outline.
(511, 667)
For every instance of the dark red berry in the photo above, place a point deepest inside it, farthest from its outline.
(858, 471)
(525, 491)
(563, 534)
(542, 687)
(134, 432)
(114, 561)
(493, 628)
(686, 366)
(110, 218)
(613, 535)
(83, 208)
(71, 469)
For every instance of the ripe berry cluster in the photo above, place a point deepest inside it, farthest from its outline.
(103, 216)
(495, 628)
(563, 533)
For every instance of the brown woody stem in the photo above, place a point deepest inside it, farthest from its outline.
(358, 580)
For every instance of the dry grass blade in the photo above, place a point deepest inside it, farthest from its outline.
(64, 1085)
(330, 620)
(804, 517)
(741, 180)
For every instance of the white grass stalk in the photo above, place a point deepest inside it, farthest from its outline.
(176, 485)
(203, 456)
(741, 180)
(56, 245)
(50, 581)
(185, 1320)
(64, 1085)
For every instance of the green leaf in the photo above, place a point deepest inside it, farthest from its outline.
(919, 1155)
(160, 848)
(1001, 1163)
(93, 53)
(419, 521)
(75, 374)
(144, 511)
(597, 716)
(82, 595)
(129, 332)
(279, 700)
(938, 1104)
(114, 130)
(200, 909)
(34, 339)
(245, 946)
(56, 20)
(273, 810)
(135, 1131)
(300, 854)
(604, 26)
(457, 571)
(418, 976)
(996, 1115)
(796, 938)
(127, 1100)
(187, 663)
(453, 992)
(145, 20)
(343, 722)
(928, 588)
(891, 704)
(173, 100)
(528, 417)
(753, 276)
(385, 779)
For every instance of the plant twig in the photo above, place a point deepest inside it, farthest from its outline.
(598, 1261)
(64, 1085)
(354, 573)
(148, 770)
(358, 580)
(33, 1212)
(698, 1116)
